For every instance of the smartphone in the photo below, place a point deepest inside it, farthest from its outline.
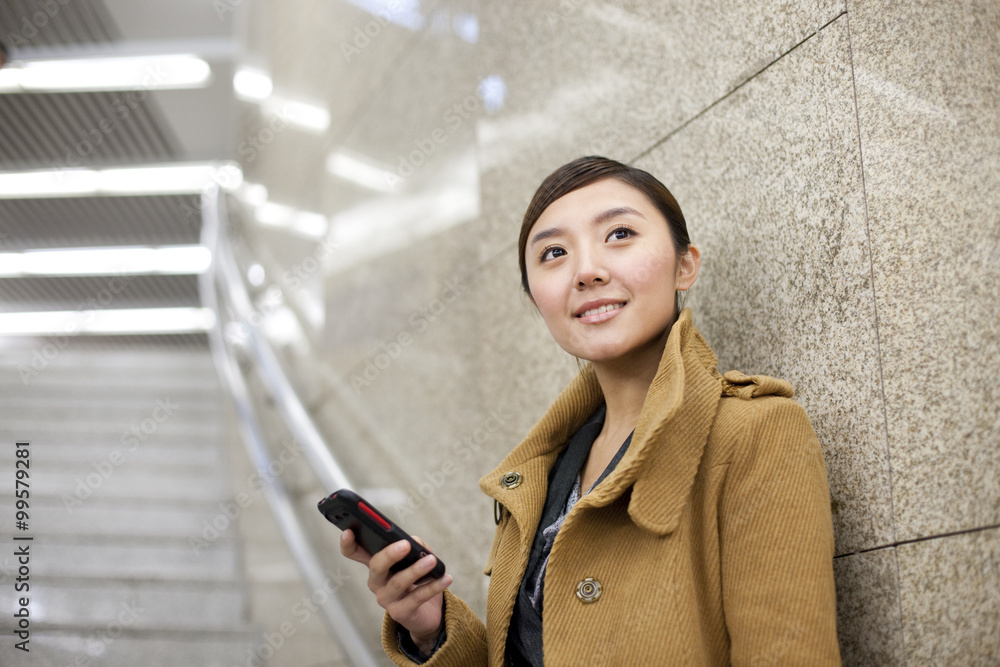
(373, 531)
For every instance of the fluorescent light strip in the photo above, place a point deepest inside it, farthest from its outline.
(158, 179)
(304, 223)
(305, 116)
(113, 322)
(83, 74)
(360, 171)
(252, 85)
(168, 260)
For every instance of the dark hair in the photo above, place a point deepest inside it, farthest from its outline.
(586, 170)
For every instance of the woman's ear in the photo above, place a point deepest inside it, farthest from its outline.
(687, 268)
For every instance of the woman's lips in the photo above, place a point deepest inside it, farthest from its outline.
(600, 313)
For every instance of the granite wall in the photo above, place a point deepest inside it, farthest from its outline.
(838, 166)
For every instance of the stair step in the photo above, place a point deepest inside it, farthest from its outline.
(56, 393)
(137, 557)
(98, 648)
(139, 380)
(46, 354)
(192, 406)
(106, 481)
(39, 430)
(174, 605)
(127, 558)
(154, 452)
(137, 518)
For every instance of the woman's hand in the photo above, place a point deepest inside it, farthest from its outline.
(416, 608)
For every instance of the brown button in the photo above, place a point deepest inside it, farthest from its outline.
(588, 590)
(511, 480)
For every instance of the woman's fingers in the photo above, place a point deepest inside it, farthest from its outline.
(351, 549)
(388, 584)
(406, 607)
(416, 607)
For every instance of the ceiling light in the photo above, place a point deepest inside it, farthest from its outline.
(361, 171)
(169, 260)
(131, 73)
(256, 275)
(113, 321)
(165, 179)
(253, 194)
(65, 182)
(169, 179)
(404, 13)
(304, 115)
(252, 85)
(304, 223)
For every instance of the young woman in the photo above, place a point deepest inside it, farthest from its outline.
(659, 513)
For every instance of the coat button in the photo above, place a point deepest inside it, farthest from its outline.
(511, 480)
(588, 590)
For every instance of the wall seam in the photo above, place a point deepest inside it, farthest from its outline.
(878, 338)
(391, 71)
(656, 144)
(926, 538)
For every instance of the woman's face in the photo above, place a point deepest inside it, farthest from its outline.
(603, 272)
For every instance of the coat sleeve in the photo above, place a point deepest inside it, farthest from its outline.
(776, 546)
(465, 645)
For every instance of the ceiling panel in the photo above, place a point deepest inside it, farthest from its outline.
(99, 221)
(97, 293)
(50, 130)
(25, 23)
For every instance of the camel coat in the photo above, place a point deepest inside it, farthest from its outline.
(711, 542)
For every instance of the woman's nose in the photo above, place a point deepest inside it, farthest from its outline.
(591, 270)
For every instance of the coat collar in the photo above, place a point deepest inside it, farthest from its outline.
(662, 461)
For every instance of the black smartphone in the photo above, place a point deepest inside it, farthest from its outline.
(373, 531)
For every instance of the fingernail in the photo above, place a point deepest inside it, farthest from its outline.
(400, 548)
(427, 562)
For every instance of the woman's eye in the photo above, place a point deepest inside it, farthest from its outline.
(552, 253)
(621, 233)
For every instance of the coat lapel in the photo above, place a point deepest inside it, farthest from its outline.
(534, 457)
(670, 436)
(662, 461)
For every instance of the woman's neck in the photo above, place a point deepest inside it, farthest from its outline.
(625, 383)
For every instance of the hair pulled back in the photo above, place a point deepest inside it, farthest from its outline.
(586, 170)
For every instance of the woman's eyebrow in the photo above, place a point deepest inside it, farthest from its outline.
(615, 212)
(544, 234)
(599, 218)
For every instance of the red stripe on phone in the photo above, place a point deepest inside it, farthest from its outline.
(375, 515)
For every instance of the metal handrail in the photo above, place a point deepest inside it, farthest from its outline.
(224, 270)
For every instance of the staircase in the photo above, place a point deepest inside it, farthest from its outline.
(136, 553)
